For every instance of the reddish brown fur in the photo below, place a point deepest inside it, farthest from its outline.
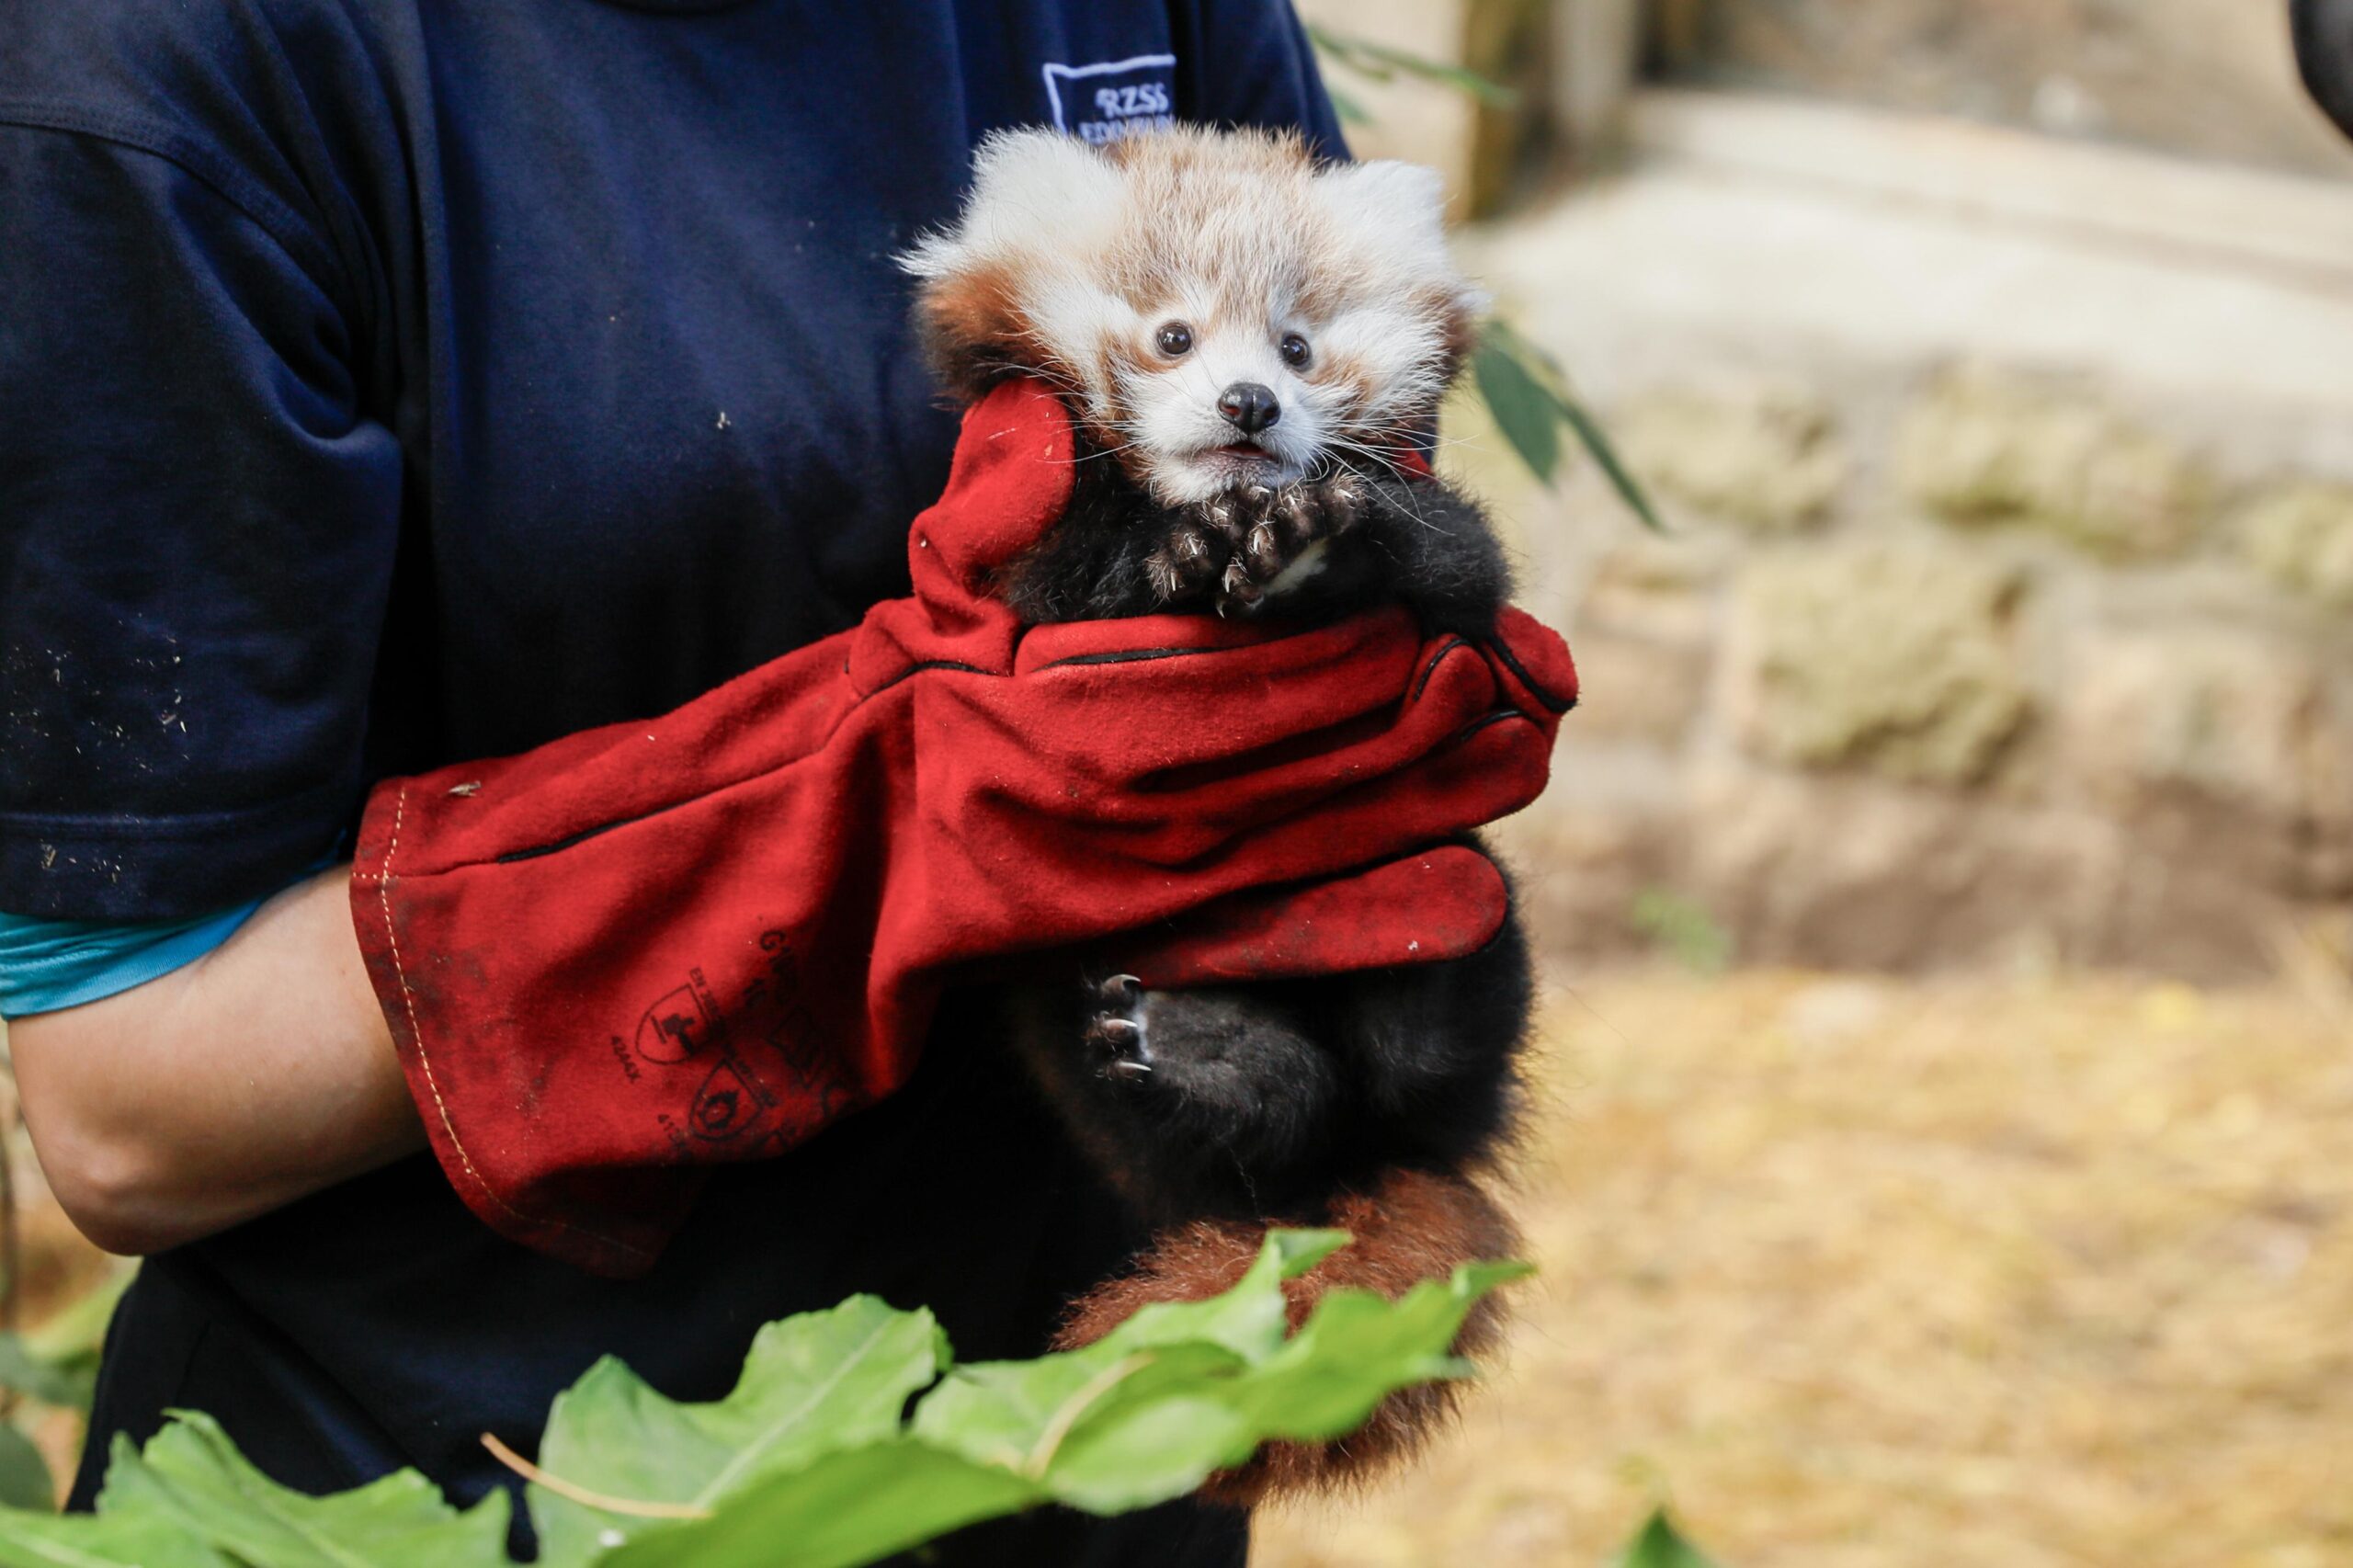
(1460, 327)
(974, 332)
(1414, 1226)
(970, 322)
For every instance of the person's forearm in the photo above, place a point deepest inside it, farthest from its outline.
(257, 1075)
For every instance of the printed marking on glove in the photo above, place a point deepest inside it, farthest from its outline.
(680, 1024)
(621, 1055)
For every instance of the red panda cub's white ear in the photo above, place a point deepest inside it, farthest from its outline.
(1038, 198)
(1391, 217)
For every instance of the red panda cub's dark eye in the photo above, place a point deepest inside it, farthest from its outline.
(1295, 351)
(1176, 339)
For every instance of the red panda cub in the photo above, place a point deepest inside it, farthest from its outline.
(1248, 341)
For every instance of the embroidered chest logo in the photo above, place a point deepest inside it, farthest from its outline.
(1114, 99)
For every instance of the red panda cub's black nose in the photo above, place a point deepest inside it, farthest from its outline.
(1248, 407)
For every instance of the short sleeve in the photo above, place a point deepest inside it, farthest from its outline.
(2324, 36)
(197, 532)
(1249, 64)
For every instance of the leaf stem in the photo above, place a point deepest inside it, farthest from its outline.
(1094, 1388)
(579, 1494)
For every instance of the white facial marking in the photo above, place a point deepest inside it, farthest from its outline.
(1242, 239)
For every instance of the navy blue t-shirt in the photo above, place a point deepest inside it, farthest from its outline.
(387, 383)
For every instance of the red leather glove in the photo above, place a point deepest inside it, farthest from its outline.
(703, 936)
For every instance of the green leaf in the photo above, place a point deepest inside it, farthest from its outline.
(1381, 63)
(1534, 391)
(811, 1462)
(67, 1386)
(811, 1385)
(1597, 442)
(1682, 928)
(73, 1333)
(1524, 410)
(81, 1540)
(1347, 105)
(192, 1475)
(57, 1363)
(24, 1480)
(1183, 1391)
(850, 1506)
(1099, 1431)
(1251, 1319)
(1317, 1388)
(1659, 1545)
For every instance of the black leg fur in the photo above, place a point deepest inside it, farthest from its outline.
(1263, 1100)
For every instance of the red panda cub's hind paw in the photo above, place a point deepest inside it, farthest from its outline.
(1116, 1030)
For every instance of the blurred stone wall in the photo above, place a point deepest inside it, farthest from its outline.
(2007, 613)
(2210, 77)
(1995, 675)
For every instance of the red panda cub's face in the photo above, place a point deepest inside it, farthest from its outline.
(1217, 308)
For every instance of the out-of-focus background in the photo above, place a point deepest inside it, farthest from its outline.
(1945, 1142)
(1943, 1139)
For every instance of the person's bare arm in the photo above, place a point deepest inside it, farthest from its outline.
(259, 1073)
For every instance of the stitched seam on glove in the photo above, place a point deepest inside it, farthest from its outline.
(425, 1060)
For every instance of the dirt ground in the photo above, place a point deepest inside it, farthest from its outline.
(1873, 1274)
(1863, 1273)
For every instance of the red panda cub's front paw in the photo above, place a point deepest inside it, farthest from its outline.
(1280, 537)
(1191, 555)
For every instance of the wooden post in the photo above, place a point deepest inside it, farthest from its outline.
(1596, 51)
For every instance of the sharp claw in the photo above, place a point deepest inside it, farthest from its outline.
(1127, 1067)
(1119, 1034)
(1122, 989)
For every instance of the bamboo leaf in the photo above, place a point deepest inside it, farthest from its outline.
(1381, 63)
(1524, 410)
(1535, 374)
(1596, 444)
(1347, 105)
